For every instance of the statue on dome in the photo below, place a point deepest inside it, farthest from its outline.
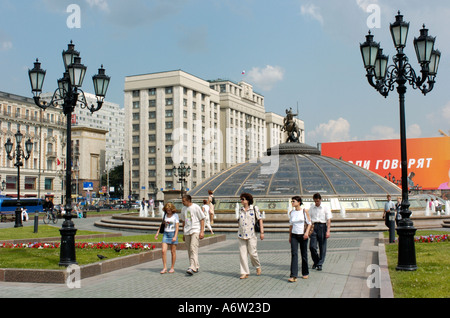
(290, 127)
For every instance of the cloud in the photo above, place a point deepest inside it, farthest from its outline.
(5, 43)
(382, 132)
(446, 111)
(413, 131)
(364, 4)
(386, 132)
(101, 4)
(333, 131)
(267, 77)
(312, 11)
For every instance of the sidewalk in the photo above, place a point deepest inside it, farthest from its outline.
(344, 273)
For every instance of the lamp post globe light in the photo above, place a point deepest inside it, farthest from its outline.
(18, 154)
(383, 78)
(69, 93)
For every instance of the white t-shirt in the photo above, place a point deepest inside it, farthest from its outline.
(297, 220)
(191, 216)
(170, 223)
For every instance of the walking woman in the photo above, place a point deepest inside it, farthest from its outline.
(248, 216)
(298, 236)
(170, 236)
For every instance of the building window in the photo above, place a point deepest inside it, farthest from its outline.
(11, 182)
(169, 125)
(135, 105)
(30, 183)
(152, 91)
(152, 137)
(169, 101)
(135, 93)
(169, 90)
(169, 113)
(151, 115)
(48, 184)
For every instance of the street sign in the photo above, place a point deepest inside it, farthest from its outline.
(88, 186)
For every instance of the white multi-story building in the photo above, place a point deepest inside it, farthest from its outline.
(41, 175)
(209, 125)
(172, 117)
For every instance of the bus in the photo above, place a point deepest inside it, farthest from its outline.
(9, 205)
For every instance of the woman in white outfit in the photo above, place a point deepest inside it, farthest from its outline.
(298, 236)
(248, 216)
(170, 237)
(205, 210)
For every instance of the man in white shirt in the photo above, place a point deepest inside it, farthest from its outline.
(321, 218)
(193, 221)
(387, 209)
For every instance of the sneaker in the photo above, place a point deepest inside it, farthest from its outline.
(190, 272)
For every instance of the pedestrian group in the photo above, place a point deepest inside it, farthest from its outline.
(313, 224)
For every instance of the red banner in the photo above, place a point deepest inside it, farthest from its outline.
(428, 159)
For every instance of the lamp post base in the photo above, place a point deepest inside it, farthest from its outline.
(18, 220)
(67, 249)
(406, 245)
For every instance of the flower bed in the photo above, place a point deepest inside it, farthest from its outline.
(100, 245)
(432, 238)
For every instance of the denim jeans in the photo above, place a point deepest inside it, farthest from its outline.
(318, 237)
(296, 240)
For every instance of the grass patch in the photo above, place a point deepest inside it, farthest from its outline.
(432, 277)
(26, 232)
(49, 258)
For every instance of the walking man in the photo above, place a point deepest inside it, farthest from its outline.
(193, 221)
(321, 218)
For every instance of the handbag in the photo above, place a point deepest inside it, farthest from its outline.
(257, 225)
(311, 230)
(163, 224)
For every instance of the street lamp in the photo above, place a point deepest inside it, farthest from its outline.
(70, 94)
(383, 78)
(182, 172)
(18, 154)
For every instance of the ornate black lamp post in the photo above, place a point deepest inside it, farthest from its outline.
(18, 154)
(70, 94)
(383, 79)
(182, 172)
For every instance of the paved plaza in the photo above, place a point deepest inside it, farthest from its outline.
(344, 273)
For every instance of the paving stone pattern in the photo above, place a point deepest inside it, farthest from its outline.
(344, 274)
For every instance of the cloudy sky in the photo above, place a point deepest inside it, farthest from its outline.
(297, 53)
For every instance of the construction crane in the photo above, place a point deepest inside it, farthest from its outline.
(443, 133)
